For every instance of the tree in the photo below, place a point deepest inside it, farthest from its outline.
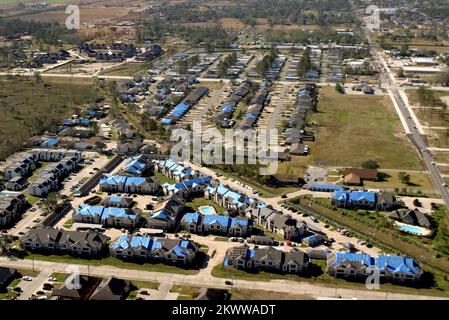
(370, 164)
(339, 88)
(444, 78)
(100, 146)
(401, 73)
(6, 245)
(405, 177)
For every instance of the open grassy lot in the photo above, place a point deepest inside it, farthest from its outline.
(354, 128)
(186, 292)
(126, 69)
(265, 191)
(246, 294)
(391, 180)
(23, 101)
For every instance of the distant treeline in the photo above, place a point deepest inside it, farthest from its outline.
(323, 12)
(45, 32)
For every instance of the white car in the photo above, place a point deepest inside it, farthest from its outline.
(27, 278)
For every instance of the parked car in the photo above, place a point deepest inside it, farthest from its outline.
(229, 282)
(27, 278)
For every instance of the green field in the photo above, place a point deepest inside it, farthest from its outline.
(355, 128)
(24, 101)
(127, 69)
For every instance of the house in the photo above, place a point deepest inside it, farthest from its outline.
(167, 214)
(313, 240)
(125, 184)
(414, 217)
(169, 251)
(16, 184)
(137, 166)
(354, 199)
(7, 275)
(77, 243)
(356, 176)
(360, 266)
(107, 216)
(112, 289)
(83, 291)
(267, 259)
(216, 224)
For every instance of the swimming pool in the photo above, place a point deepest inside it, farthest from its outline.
(412, 229)
(207, 210)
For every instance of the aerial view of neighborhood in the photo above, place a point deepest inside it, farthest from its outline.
(224, 150)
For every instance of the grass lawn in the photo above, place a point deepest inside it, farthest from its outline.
(127, 69)
(247, 294)
(418, 181)
(163, 179)
(109, 261)
(355, 128)
(199, 202)
(23, 101)
(186, 292)
(225, 239)
(146, 284)
(68, 224)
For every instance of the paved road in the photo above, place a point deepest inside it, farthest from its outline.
(278, 108)
(206, 280)
(412, 124)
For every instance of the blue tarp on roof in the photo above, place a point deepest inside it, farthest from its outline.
(166, 121)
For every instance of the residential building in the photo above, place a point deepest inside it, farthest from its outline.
(124, 184)
(137, 166)
(12, 205)
(112, 289)
(7, 275)
(267, 259)
(229, 199)
(170, 251)
(275, 221)
(108, 216)
(84, 291)
(117, 202)
(49, 240)
(16, 184)
(174, 171)
(187, 188)
(313, 240)
(166, 215)
(360, 266)
(216, 224)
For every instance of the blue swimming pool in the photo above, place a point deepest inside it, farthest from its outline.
(412, 229)
(207, 210)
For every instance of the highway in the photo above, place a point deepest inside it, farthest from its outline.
(408, 118)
